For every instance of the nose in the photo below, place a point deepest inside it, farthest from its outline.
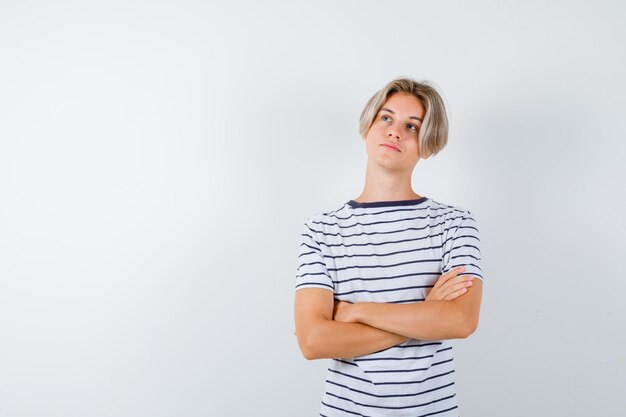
(393, 133)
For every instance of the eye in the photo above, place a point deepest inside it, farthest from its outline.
(385, 118)
(412, 127)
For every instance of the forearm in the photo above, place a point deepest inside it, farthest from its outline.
(428, 320)
(333, 339)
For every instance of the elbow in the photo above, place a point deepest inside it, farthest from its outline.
(309, 355)
(307, 347)
(307, 351)
(467, 326)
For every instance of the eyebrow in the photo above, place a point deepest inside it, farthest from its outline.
(392, 112)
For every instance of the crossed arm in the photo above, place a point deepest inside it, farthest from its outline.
(329, 329)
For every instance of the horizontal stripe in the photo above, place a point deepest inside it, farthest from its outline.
(414, 382)
(345, 411)
(388, 278)
(315, 249)
(310, 237)
(381, 291)
(388, 242)
(364, 415)
(353, 213)
(473, 274)
(407, 219)
(403, 407)
(400, 395)
(439, 412)
(413, 394)
(367, 255)
(465, 255)
(461, 247)
(411, 346)
(467, 227)
(401, 219)
(351, 376)
(396, 371)
(461, 236)
(346, 362)
(407, 300)
(312, 273)
(416, 345)
(468, 273)
(302, 284)
(311, 263)
(386, 232)
(384, 266)
(392, 358)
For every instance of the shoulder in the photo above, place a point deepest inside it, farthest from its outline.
(444, 207)
(453, 215)
(331, 217)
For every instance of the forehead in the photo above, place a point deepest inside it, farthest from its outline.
(404, 104)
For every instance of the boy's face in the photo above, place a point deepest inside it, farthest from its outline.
(392, 140)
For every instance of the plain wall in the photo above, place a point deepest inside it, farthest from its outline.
(158, 160)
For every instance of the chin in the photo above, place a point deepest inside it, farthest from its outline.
(388, 164)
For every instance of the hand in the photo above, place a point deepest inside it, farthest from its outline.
(344, 312)
(449, 286)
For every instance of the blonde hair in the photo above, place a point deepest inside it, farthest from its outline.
(433, 134)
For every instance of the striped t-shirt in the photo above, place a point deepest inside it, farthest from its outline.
(389, 252)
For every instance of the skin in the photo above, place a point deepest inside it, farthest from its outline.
(327, 328)
(388, 174)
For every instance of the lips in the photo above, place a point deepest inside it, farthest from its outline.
(392, 146)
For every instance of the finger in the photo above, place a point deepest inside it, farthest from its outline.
(449, 275)
(444, 277)
(455, 294)
(466, 283)
(455, 271)
(453, 286)
(455, 280)
(456, 287)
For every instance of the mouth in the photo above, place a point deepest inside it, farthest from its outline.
(390, 146)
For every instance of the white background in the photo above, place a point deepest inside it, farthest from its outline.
(158, 160)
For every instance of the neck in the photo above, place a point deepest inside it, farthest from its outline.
(386, 185)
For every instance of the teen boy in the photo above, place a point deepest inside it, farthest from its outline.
(385, 280)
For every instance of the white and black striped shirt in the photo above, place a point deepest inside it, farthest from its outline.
(389, 252)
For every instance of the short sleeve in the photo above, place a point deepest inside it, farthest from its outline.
(312, 271)
(462, 245)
